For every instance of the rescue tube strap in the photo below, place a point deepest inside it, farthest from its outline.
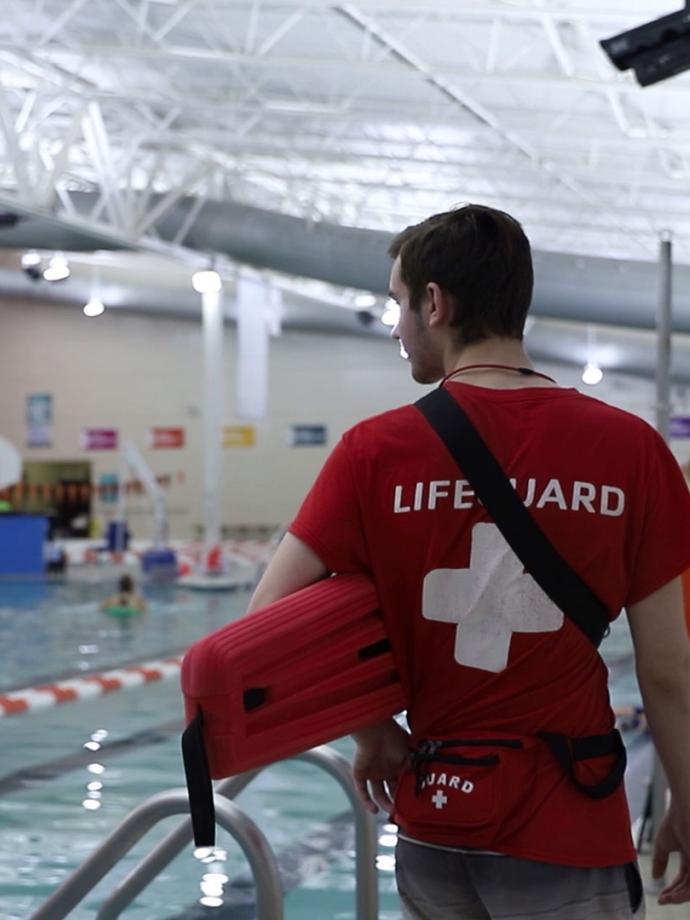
(568, 751)
(493, 488)
(199, 784)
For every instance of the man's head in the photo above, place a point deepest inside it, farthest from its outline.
(474, 259)
(126, 584)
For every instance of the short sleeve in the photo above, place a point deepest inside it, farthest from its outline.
(663, 542)
(329, 520)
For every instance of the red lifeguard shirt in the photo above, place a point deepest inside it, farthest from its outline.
(477, 643)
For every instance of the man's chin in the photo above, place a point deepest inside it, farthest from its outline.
(426, 376)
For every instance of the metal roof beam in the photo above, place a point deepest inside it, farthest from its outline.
(538, 80)
(59, 24)
(459, 9)
(180, 13)
(13, 154)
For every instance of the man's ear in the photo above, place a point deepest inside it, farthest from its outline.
(440, 308)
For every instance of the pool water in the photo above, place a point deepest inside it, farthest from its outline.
(57, 629)
(59, 799)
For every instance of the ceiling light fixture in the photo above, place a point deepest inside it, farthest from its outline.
(58, 268)
(94, 307)
(32, 265)
(391, 315)
(206, 282)
(364, 301)
(592, 374)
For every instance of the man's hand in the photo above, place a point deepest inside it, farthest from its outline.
(381, 753)
(672, 837)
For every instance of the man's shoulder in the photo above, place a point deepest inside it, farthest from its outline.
(578, 411)
(589, 407)
(383, 422)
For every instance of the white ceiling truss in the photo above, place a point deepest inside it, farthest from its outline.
(371, 114)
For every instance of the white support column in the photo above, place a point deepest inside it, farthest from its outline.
(253, 301)
(664, 323)
(211, 291)
(663, 415)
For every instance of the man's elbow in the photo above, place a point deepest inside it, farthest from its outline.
(670, 676)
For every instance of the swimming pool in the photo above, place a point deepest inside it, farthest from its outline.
(59, 798)
(54, 629)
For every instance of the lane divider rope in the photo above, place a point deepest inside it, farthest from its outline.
(33, 699)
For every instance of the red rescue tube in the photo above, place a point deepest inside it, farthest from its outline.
(305, 670)
(309, 668)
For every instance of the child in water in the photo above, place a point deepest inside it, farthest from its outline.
(127, 597)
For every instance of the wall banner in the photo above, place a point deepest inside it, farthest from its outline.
(239, 436)
(166, 438)
(99, 439)
(108, 488)
(679, 427)
(39, 420)
(307, 435)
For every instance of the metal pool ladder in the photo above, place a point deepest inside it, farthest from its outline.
(269, 891)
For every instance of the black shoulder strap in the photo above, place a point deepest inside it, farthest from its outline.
(493, 488)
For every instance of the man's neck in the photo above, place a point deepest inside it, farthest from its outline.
(506, 353)
(492, 351)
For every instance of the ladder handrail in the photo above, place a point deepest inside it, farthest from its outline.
(365, 840)
(269, 891)
(163, 854)
(241, 828)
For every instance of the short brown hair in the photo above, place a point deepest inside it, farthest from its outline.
(481, 257)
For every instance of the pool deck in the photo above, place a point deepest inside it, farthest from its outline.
(654, 910)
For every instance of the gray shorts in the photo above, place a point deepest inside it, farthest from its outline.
(438, 884)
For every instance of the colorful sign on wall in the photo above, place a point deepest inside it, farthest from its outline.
(680, 426)
(108, 488)
(307, 435)
(239, 436)
(99, 439)
(166, 438)
(39, 420)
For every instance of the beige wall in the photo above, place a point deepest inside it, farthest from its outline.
(131, 372)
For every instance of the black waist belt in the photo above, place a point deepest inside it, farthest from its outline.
(567, 751)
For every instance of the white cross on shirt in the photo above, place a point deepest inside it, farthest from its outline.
(490, 601)
(439, 799)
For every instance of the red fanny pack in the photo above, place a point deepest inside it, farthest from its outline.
(309, 668)
(482, 788)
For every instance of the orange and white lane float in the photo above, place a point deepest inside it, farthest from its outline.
(33, 699)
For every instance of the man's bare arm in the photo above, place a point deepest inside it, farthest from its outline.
(381, 748)
(294, 565)
(662, 658)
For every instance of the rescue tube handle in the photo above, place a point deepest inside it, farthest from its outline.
(199, 786)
